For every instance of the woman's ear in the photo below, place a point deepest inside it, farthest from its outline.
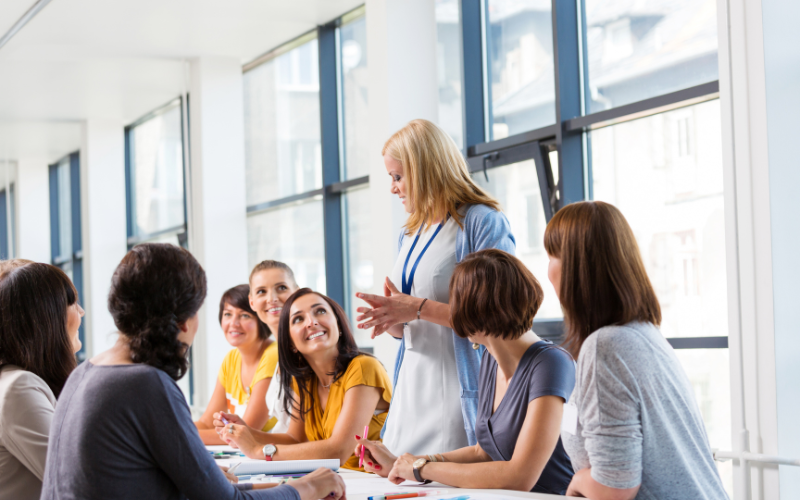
(184, 327)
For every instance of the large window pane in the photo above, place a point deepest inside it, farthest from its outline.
(516, 187)
(520, 59)
(156, 164)
(64, 210)
(353, 61)
(283, 156)
(294, 235)
(664, 172)
(642, 49)
(358, 247)
(708, 372)
(448, 59)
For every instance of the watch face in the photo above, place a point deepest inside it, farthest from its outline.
(269, 449)
(419, 462)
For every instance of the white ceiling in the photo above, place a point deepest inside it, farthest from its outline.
(120, 59)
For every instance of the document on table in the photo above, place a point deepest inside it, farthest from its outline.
(247, 468)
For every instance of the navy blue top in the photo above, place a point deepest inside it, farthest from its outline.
(544, 370)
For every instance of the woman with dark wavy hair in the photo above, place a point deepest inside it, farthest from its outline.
(122, 428)
(333, 390)
(39, 321)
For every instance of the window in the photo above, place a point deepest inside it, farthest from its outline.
(283, 154)
(292, 234)
(448, 60)
(352, 36)
(358, 253)
(66, 247)
(634, 85)
(637, 50)
(7, 210)
(154, 174)
(516, 187)
(520, 62)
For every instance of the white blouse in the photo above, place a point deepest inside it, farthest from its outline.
(425, 415)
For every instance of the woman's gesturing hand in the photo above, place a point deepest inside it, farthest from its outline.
(322, 483)
(384, 312)
(377, 457)
(403, 469)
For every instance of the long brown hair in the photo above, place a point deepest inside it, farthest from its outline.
(438, 179)
(34, 299)
(295, 367)
(603, 279)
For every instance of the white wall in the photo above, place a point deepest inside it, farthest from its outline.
(33, 209)
(103, 211)
(782, 74)
(217, 206)
(401, 50)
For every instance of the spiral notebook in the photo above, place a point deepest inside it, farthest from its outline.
(252, 467)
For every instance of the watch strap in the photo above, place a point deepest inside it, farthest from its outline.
(418, 476)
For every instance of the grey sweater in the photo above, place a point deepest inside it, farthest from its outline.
(125, 432)
(638, 422)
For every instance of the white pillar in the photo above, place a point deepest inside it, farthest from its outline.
(33, 209)
(217, 210)
(782, 76)
(401, 50)
(103, 213)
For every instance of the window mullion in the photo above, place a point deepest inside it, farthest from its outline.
(331, 168)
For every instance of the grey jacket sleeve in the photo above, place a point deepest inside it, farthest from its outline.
(25, 415)
(178, 450)
(610, 415)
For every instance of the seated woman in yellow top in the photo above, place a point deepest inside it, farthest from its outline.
(247, 370)
(334, 390)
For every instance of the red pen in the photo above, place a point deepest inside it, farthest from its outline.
(361, 459)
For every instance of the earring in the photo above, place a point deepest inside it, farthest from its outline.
(476, 346)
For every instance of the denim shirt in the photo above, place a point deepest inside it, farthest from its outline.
(484, 228)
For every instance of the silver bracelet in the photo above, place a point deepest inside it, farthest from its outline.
(419, 311)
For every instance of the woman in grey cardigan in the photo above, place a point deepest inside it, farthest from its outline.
(634, 429)
(39, 321)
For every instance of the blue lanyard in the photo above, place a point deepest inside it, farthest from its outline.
(407, 284)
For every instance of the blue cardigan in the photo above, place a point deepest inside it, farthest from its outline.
(484, 228)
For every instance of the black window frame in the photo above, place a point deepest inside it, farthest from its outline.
(181, 230)
(75, 258)
(568, 135)
(334, 187)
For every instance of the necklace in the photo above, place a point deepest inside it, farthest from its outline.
(325, 386)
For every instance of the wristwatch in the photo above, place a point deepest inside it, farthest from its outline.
(417, 466)
(269, 451)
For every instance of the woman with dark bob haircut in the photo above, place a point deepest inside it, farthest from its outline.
(524, 382)
(636, 430)
(333, 389)
(122, 428)
(246, 372)
(39, 321)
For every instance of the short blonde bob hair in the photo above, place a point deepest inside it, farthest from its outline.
(437, 174)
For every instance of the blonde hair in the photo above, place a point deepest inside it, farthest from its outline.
(438, 177)
(272, 264)
(6, 266)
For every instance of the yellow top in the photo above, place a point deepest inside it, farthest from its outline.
(363, 370)
(230, 376)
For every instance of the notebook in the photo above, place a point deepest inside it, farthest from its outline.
(252, 467)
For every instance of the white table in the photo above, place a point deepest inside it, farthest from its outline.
(361, 485)
(355, 491)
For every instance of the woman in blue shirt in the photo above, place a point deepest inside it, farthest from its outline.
(524, 382)
(435, 393)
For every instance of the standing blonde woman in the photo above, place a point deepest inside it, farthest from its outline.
(435, 399)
